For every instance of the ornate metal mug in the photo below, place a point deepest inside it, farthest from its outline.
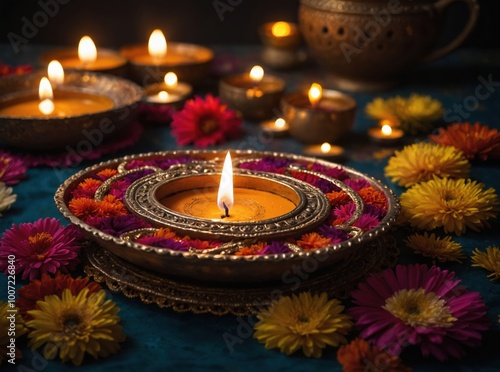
(370, 44)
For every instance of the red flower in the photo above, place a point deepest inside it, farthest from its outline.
(14, 70)
(205, 122)
(476, 141)
(38, 289)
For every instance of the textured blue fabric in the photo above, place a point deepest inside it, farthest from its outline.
(158, 339)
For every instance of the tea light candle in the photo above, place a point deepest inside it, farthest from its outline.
(385, 135)
(189, 62)
(228, 203)
(325, 151)
(254, 94)
(319, 114)
(169, 92)
(282, 41)
(88, 58)
(278, 127)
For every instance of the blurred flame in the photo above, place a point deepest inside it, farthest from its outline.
(315, 93)
(170, 79)
(281, 29)
(55, 72)
(256, 74)
(326, 147)
(87, 52)
(46, 105)
(157, 45)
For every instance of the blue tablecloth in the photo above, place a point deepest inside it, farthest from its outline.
(159, 338)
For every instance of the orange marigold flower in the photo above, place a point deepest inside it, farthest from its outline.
(165, 233)
(337, 198)
(110, 206)
(107, 173)
(373, 197)
(313, 241)
(84, 208)
(253, 249)
(359, 356)
(475, 140)
(89, 184)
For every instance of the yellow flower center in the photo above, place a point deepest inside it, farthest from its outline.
(72, 324)
(40, 243)
(302, 318)
(209, 125)
(417, 308)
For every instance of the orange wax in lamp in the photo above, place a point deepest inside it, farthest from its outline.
(235, 200)
(88, 58)
(62, 103)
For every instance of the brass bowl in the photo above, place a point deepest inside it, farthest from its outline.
(52, 133)
(369, 45)
(193, 70)
(219, 264)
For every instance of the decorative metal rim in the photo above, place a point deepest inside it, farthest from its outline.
(368, 7)
(387, 221)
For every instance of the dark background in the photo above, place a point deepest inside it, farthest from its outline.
(114, 23)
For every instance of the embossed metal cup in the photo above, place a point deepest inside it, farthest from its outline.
(371, 44)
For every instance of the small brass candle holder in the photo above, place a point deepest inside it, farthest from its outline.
(282, 45)
(190, 62)
(328, 121)
(175, 96)
(255, 101)
(108, 61)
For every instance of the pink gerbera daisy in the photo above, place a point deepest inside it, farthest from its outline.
(42, 247)
(205, 122)
(417, 305)
(12, 169)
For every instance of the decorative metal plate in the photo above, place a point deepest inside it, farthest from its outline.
(220, 264)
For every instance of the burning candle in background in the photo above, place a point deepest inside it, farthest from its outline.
(87, 52)
(385, 134)
(255, 94)
(225, 195)
(170, 91)
(157, 46)
(316, 115)
(87, 58)
(325, 151)
(55, 72)
(282, 42)
(278, 127)
(314, 94)
(46, 105)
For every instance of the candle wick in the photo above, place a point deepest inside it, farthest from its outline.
(226, 211)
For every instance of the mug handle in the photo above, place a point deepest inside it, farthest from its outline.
(440, 7)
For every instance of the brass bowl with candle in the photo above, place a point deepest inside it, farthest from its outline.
(89, 108)
(108, 61)
(190, 62)
(331, 119)
(158, 198)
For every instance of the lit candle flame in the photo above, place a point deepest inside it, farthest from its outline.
(163, 96)
(280, 29)
(279, 123)
(256, 74)
(386, 130)
(170, 79)
(46, 105)
(315, 93)
(325, 148)
(55, 72)
(157, 46)
(87, 52)
(225, 196)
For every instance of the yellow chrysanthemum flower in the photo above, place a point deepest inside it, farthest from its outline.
(452, 204)
(422, 161)
(75, 325)
(441, 249)
(414, 114)
(304, 322)
(7, 327)
(489, 260)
